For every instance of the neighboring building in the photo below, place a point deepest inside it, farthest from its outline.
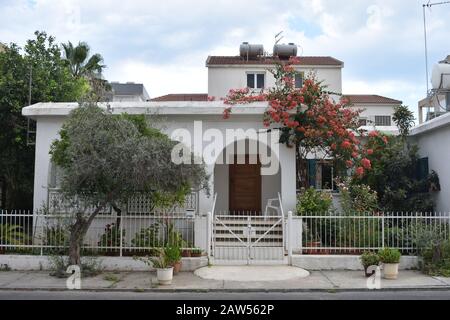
(2, 47)
(182, 97)
(433, 140)
(127, 92)
(437, 102)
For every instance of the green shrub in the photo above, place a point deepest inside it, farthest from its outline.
(369, 259)
(172, 254)
(358, 199)
(12, 235)
(313, 202)
(148, 238)
(159, 262)
(388, 255)
(111, 237)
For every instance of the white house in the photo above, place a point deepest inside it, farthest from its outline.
(239, 187)
(251, 174)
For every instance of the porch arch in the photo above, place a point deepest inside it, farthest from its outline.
(270, 184)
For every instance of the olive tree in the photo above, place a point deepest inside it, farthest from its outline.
(107, 158)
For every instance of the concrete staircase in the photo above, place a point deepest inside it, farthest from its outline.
(232, 235)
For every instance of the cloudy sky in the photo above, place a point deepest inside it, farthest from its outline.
(164, 44)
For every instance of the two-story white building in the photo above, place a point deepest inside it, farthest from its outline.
(253, 178)
(239, 187)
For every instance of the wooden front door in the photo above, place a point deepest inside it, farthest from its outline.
(245, 188)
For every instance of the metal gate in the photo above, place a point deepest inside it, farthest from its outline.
(248, 239)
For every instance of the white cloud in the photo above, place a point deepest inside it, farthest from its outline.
(165, 43)
(162, 79)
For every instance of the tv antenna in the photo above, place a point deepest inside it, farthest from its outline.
(428, 5)
(278, 37)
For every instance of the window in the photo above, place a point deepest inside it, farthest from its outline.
(383, 121)
(321, 175)
(298, 80)
(256, 80)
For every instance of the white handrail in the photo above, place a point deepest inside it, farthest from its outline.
(281, 204)
(214, 205)
(284, 221)
(211, 227)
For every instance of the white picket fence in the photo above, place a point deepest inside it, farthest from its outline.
(109, 234)
(353, 234)
(141, 233)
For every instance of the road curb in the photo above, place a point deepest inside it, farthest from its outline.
(312, 290)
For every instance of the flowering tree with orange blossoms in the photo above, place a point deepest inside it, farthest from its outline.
(308, 119)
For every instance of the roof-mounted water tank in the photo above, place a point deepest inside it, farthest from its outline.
(440, 78)
(251, 50)
(285, 50)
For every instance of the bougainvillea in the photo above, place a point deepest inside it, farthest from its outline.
(308, 117)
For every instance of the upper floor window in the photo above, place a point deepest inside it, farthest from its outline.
(384, 121)
(298, 80)
(256, 80)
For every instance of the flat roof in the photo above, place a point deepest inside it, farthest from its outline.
(160, 108)
(269, 60)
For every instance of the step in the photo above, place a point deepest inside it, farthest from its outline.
(238, 244)
(242, 253)
(241, 229)
(230, 236)
(245, 222)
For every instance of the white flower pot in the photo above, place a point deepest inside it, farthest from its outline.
(164, 276)
(390, 271)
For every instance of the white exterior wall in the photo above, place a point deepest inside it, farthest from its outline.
(222, 79)
(433, 139)
(48, 127)
(370, 111)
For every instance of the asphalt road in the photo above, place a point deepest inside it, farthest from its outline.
(84, 295)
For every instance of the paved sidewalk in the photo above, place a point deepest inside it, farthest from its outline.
(145, 281)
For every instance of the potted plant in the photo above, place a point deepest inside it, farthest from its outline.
(196, 253)
(185, 253)
(164, 272)
(173, 256)
(391, 260)
(369, 259)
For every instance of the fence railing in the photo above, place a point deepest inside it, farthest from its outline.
(25, 232)
(353, 234)
(109, 234)
(138, 204)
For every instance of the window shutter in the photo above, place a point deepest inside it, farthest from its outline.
(260, 81)
(250, 80)
(422, 169)
(312, 173)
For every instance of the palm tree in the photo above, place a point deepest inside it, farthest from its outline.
(79, 64)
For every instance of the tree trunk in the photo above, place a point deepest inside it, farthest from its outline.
(76, 239)
(302, 175)
(77, 233)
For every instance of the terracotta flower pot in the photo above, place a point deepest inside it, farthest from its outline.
(177, 267)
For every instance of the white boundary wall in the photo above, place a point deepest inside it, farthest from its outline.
(39, 263)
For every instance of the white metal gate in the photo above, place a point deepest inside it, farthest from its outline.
(248, 239)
